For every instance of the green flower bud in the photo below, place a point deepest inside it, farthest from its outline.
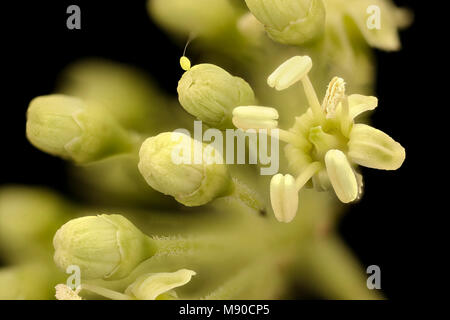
(126, 93)
(73, 129)
(200, 17)
(104, 247)
(210, 93)
(32, 281)
(190, 181)
(292, 21)
(29, 217)
(373, 148)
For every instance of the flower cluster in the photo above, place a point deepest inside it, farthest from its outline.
(118, 133)
(325, 144)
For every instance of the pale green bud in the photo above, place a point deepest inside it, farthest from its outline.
(200, 17)
(31, 281)
(158, 285)
(104, 247)
(29, 217)
(70, 128)
(125, 92)
(290, 21)
(251, 28)
(210, 93)
(177, 165)
(373, 148)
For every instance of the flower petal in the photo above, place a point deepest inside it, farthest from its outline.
(373, 148)
(150, 286)
(377, 23)
(359, 104)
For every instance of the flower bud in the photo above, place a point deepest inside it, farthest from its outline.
(204, 18)
(373, 148)
(156, 286)
(104, 247)
(284, 197)
(210, 93)
(290, 72)
(177, 165)
(125, 92)
(30, 281)
(255, 117)
(341, 175)
(292, 21)
(29, 217)
(72, 129)
(251, 28)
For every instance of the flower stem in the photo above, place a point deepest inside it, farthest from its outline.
(245, 195)
(333, 270)
(345, 118)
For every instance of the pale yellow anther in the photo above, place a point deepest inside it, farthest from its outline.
(334, 95)
(284, 197)
(290, 72)
(255, 117)
(341, 175)
(185, 63)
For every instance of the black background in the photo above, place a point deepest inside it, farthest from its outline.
(36, 46)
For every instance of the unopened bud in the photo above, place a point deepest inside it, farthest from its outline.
(104, 247)
(168, 163)
(210, 93)
(291, 21)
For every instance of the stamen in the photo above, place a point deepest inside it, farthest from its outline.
(255, 117)
(342, 176)
(307, 174)
(313, 100)
(334, 95)
(283, 197)
(345, 118)
(290, 72)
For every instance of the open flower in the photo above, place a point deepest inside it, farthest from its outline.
(325, 144)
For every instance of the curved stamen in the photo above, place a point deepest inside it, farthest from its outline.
(307, 174)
